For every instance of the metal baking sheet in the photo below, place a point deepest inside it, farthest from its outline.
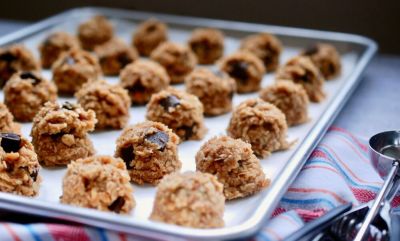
(243, 217)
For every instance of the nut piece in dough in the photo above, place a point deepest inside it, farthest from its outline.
(301, 70)
(180, 111)
(232, 161)
(207, 44)
(215, 91)
(19, 166)
(149, 35)
(190, 199)
(15, 58)
(54, 45)
(114, 55)
(265, 46)
(290, 98)
(73, 69)
(142, 79)
(149, 150)
(95, 31)
(246, 69)
(59, 133)
(261, 124)
(98, 182)
(26, 93)
(326, 58)
(178, 60)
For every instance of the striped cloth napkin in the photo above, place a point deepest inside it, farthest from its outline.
(337, 172)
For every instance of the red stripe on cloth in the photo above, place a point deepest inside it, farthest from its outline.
(11, 232)
(322, 167)
(320, 190)
(360, 144)
(62, 232)
(122, 236)
(348, 169)
(309, 215)
(278, 211)
(355, 150)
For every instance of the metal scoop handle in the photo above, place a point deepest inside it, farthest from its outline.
(386, 194)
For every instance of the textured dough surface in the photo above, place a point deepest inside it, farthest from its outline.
(232, 161)
(246, 69)
(95, 31)
(150, 151)
(180, 111)
(59, 133)
(142, 79)
(191, 199)
(149, 35)
(110, 103)
(207, 44)
(261, 124)
(177, 59)
(26, 93)
(19, 171)
(301, 70)
(326, 58)
(214, 91)
(98, 182)
(7, 123)
(290, 98)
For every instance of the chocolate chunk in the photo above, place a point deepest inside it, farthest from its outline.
(68, 106)
(128, 155)
(239, 71)
(57, 136)
(30, 75)
(137, 87)
(188, 131)
(117, 205)
(124, 59)
(10, 142)
(7, 56)
(151, 28)
(159, 138)
(311, 50)
(170, 101)
(231, 94)
(34, 175)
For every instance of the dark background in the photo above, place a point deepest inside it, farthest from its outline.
(379, 20)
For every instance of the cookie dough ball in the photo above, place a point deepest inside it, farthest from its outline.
(232, 161)
(246, 69)
(215, 91)
(26, 92)
(265, 46)
(73, 69)
(191, 199)
(142, 79)
(326, 58)
(110, 103)
(95, 31)
(180, 111)
(114, 55)
(301, 70)
(290, 98)
(149, 150)
(207, 44)
(149, 35)
(15, 58)
(19, 166)
(54, 45)
(261, 124)
(177, 59)
(59, 133)
(98, 182)
(7, 123)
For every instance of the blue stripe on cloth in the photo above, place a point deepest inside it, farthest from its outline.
(263, 236)
(32, 231)
(343, 172)
(308, 201)
(102, 234)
